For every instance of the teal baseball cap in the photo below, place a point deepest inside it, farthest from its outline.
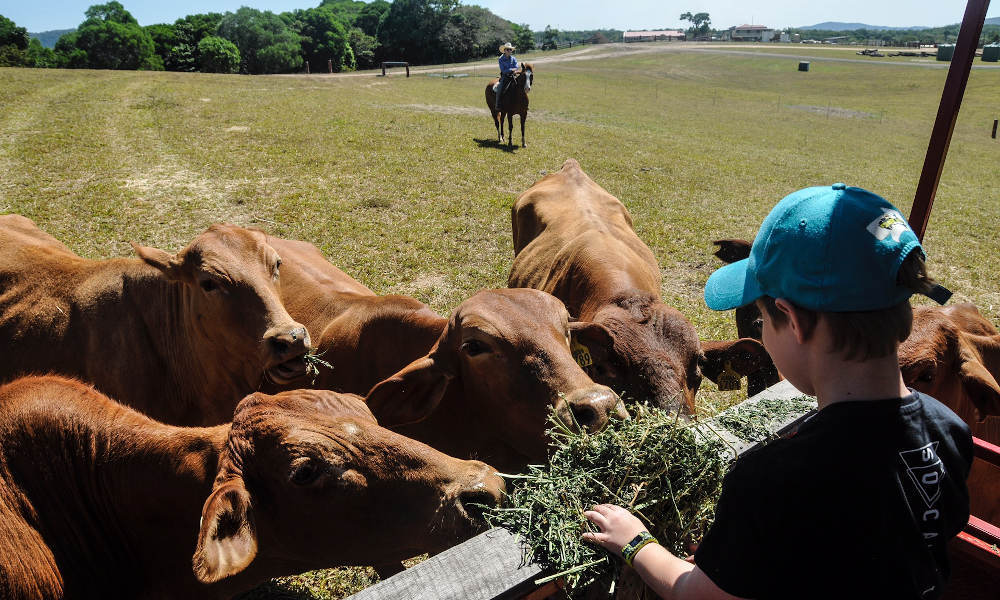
(833, 249)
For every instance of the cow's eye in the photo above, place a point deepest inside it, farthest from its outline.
(208, 285)
(474, 347)
(304, 473)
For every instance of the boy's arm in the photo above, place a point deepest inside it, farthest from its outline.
(667, 575)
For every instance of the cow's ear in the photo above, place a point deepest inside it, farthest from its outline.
(978, 382)
(411, 394)
(730, 251)
(227, 541)
(160, 260)
(728, 361)
(587, 333)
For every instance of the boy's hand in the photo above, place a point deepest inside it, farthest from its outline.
(618, 527)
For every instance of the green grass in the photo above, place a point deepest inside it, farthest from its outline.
(400, 183)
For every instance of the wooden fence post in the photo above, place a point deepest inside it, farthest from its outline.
(944, 124)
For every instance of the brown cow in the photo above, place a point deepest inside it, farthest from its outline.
(575, 240)
(480, 383)
(97, 500)
(181, 338)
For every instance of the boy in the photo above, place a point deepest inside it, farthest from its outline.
(508, 67)
(861, 500)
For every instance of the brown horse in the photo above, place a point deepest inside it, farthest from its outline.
(514, 101)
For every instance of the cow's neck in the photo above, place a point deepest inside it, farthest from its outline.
(457, 429)
(184, 362)
(373, 339)
(121, 493)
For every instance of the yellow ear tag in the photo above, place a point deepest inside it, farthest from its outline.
(729, 380)
(581, 354)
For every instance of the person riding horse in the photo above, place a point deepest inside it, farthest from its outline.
(508, 68)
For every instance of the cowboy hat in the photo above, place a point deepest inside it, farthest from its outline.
(507, 45)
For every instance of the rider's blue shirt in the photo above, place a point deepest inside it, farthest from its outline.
(508, 63)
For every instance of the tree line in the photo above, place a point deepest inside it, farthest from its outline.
(345, 34)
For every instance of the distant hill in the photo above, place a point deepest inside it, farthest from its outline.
(838, 26)
(993, 21)
(49, 38)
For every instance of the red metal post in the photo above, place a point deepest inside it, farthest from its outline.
(944, 124)
(329, 65)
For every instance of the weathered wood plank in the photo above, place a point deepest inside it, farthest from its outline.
(490, 566)
(486, 567)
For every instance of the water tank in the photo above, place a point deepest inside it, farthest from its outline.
(945, 51)
(991, 53)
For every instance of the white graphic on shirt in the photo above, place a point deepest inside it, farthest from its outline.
(889, 223)
(926, 471)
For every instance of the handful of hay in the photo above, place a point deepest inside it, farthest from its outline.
(666, 471)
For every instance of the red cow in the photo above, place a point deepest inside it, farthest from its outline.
(181, 338)
(575, 240)
(97, 500)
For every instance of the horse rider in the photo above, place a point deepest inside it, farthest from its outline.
(508, 65)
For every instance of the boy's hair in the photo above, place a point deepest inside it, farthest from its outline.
(863, 335)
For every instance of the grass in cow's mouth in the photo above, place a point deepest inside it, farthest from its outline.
(313, 361)
(665, 470)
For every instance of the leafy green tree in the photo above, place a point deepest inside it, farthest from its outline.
(549, 37)
(40, 56)
(12, 35)
(113, 39)
(218, 55)
(370, 18)
(266, 43)
(524, 39)
(411, 29)
(700, 22)
(13, 44)
(164, 38)
(68, 54)
(363, 46)
(190, 30)
(323, 38)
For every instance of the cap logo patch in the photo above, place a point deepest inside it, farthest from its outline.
(889, 223)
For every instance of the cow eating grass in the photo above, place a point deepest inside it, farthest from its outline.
(181, 338)
(97, 500)
(477, 385)
(575, 241)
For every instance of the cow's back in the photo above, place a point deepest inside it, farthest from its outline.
(365, 337)
(575, 240)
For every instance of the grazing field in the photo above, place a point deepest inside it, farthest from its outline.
(400, 181)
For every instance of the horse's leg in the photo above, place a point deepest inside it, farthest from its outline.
(510, 129)
(498, 123)
(524, 116)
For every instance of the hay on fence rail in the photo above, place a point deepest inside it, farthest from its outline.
(665, 470)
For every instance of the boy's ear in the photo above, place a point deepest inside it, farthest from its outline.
(795, 322)
(227, 540)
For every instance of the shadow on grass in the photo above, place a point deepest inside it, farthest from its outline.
(492, 143)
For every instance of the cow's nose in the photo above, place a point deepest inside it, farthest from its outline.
(593, 408)
(285, 341)
(485, 490)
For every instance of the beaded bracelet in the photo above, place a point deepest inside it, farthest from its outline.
(632, 548)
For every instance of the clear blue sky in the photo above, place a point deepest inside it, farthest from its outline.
(43, 15)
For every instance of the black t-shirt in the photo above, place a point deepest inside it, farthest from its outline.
(858, 503)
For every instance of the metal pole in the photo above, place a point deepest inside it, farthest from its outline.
(944, 124)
